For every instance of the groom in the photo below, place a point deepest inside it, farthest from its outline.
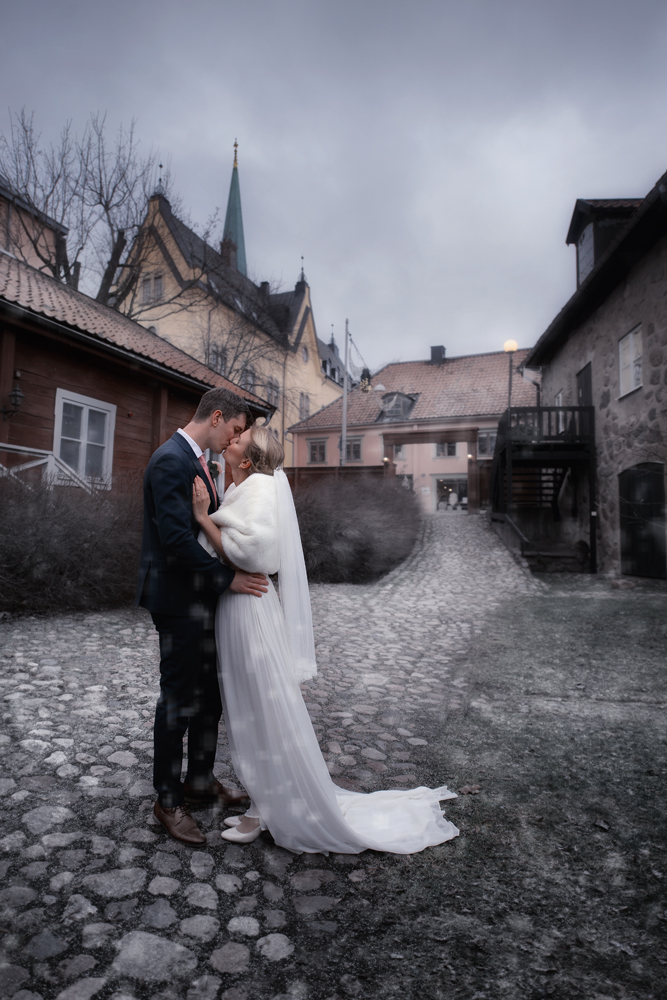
(179, 583)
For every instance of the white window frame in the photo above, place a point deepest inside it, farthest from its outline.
(64, 396)
(445, 445)
(311, 441)
(399, 453)
(304, 406)
(634, 367)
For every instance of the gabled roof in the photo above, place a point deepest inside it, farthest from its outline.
(647, 225)
(586, 209)
(9, 193)
(470, 386)
(275, 315)
(24, 288)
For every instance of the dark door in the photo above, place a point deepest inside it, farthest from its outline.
(585, 386)
(585, 396)
(642, 508)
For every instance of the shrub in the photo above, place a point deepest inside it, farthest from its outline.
(355, 530)
(61, 549)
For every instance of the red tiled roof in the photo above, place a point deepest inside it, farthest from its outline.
(42, 295)
(469, 386)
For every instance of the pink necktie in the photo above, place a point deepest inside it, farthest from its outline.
(202, 462)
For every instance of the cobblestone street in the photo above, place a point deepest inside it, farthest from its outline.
(542, 701)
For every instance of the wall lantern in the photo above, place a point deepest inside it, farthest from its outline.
(16, 397)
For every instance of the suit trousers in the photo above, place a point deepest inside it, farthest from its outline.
(189, 701)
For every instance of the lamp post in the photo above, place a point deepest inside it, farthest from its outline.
(510, 347)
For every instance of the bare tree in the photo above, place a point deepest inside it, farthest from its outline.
(96, 193)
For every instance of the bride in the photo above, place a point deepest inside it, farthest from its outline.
(265, 649)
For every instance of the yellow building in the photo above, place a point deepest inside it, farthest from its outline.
(201, 300)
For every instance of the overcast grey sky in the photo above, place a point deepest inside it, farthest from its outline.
(424, 156)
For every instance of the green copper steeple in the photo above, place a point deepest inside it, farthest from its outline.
(233, 231)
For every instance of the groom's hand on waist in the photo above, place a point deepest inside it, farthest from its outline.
(249, 583)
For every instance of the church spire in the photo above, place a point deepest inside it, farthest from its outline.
(232, 237)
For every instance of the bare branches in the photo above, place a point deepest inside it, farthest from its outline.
(80, 205)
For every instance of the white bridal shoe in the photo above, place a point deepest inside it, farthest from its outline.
(236, 837)
(232, 820)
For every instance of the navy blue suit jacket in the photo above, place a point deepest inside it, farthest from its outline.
(176, 575)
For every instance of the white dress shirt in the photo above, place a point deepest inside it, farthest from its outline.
(193, 444)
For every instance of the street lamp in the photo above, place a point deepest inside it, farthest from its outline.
(510, 347)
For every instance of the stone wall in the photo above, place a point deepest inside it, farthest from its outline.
(629, 430)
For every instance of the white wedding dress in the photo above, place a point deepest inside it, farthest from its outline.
(263, 653)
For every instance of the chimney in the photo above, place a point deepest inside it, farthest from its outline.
(264, 288)
(437, 355)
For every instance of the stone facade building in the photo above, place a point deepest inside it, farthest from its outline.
(608, 348)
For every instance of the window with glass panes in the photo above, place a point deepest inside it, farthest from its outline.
(630, 361)
(317, 452)
(83, 436)
(353, 450)
(445, 450)
(218, 358)
(272, 391)
(247, 380)
(486, 444)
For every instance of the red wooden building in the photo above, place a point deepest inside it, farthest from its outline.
(87, 395)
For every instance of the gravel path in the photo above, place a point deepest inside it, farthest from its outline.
(542, 700)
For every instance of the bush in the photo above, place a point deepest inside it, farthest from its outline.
(61, 549)
(354, 531)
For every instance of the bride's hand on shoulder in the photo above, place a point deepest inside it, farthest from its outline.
(200, 500)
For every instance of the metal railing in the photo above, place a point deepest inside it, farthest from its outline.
(59, 472)
(538, 424)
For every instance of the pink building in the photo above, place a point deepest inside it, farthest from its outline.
(434, 421)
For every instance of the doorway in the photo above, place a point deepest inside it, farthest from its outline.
(452, 493)
(642, 515)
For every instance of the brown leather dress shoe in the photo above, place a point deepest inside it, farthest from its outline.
(180, 825)
(215, 794)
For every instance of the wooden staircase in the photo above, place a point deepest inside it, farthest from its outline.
(536, 448)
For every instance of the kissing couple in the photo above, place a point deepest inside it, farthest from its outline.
(229, 641)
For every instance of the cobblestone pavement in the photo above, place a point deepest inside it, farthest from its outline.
(457, 668)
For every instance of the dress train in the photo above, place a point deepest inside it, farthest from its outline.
(276, 754)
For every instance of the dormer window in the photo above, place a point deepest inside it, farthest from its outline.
(396, 405)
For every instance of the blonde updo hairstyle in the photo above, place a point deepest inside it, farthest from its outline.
(265, 452)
